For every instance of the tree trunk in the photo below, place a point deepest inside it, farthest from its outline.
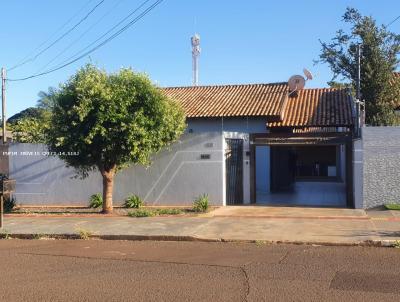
(108, 182)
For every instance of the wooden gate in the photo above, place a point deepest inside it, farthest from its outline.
(234, 171)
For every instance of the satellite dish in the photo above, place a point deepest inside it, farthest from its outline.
(296, 82)
(308, 74)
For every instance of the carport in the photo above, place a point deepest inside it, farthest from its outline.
(305, 169)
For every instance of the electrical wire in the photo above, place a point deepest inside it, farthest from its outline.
(81, 36)
(394, 20)
(120, 31)
(52, 35)
(60, 38)
(109, 31)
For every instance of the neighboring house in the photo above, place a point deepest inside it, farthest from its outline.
(255, 143)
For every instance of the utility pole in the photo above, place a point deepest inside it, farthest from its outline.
(3, 114)
(358, 93)
(361, 104)
(3, 102)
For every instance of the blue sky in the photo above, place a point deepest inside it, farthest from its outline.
(254, 41)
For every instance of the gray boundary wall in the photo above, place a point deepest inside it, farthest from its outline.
(381, 165)
(175, 177)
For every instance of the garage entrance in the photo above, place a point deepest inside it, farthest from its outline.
(312, 169)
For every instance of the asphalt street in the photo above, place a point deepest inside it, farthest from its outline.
(96, 270)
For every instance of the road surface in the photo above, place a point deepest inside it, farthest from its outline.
(95, 270)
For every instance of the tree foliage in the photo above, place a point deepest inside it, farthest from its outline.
(111, 121)
(30, 130)
(31, 124)
(31, 112)
(379, 58)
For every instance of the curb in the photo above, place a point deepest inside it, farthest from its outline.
(366, 243)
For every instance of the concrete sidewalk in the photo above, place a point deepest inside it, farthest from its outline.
(356, 227)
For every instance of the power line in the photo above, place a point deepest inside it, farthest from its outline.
(394, 20)
(81, 36)
(60, 38)
(53, 34)
(139, 17)
(109, 31)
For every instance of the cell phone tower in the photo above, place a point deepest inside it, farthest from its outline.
(195, 58)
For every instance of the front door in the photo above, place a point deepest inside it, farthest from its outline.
(234, 171)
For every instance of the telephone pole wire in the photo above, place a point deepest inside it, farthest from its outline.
(3, 102)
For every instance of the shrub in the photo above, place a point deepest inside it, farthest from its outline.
(4, 234)
(200, 204)
(392, 206)
(84, 234)
(96, 201)
(9, 203)
(141, 213)
(133, 201)
(169, 211)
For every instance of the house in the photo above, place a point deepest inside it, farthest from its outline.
(279, 147)
(244, 144)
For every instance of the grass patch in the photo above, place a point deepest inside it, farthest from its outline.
(169, 211)
(84, 234)
(4, 234)
(141, 213)
(39, 236)
(393, 206)
(260, 242)
(154, 212)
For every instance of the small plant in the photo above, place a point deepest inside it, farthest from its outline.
(9, 203)
(96, 201)
(133, 202)
(169, 211)
(141, 213)
(84, 234)
(393, 206)
(4, 234)
(260, 242)
(200, 204)
(396, 244)
(39, 236)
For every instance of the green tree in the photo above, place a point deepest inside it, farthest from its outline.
(31, 112)
(111, 121)
(30, 130)
(379, 58)
(30, 125)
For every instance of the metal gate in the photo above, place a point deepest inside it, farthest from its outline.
(234, 171)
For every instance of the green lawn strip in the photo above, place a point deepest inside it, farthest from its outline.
(393, 206)
(155, 212)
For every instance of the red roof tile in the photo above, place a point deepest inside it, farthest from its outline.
(231, 100)
(325, 107)
(321, 107)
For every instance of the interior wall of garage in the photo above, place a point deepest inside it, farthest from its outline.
(262, 167)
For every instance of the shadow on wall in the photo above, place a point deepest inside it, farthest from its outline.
(177, 175)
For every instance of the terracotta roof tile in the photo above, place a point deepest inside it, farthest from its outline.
(322, 107)
(231, 100)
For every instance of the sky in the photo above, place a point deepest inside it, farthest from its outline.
(253, 41)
